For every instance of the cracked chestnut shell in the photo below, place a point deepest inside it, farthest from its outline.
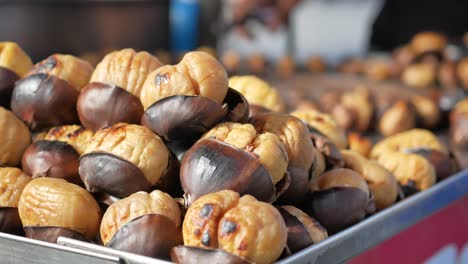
(14, 138)
(54, 159)
(339, 198)
(296, 138)
(359, 101)
(382, 183)
(360, 144)
(47, 95)
(12, 183)
(258, 92)
(235, 156)
(427, 111)
(51, 207)
(125, 158)
(398, 118)
(443, 163)
(428, 41)
(242, 226)
(195, 255)
(74, 135)
(419, 75)
(143, 223)
(303, 230)
(14, 64)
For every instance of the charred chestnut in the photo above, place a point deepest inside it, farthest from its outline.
(51, 207)
(303, 230)
(123, 159)
(382, 183)
(339, 198)
(294, 134)
(241, 226)
(316, 64)
(359, 144)
(234, 156)
(14, 138)
(14, 64)
(398, 118)
(47, 95)
(143, 223)
(12, 183)
(419, 75)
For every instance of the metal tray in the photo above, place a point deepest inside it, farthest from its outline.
(336, 249)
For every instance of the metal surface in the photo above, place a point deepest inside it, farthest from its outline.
(385, 224)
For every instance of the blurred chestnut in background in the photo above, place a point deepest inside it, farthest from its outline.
(359, 144)
(14, 138)
(419, 75)
(351, 66)
(112, 96)
(47, 95)
(144, 223)
(241, 226)
(398, 118)
(235, 156)
(427, 111)
(339, 198)
(359, 102)
(294, 134)
(14, 64)
(231, 61)
(306, 105)
(51, 207)
(377, 69)
(316, 64)
(285, 66)
(12, 183)
(124, 158)
(458, 138)
(403, 56)
(462, 72)
(428, 41)
(447, 74)
(256, 64)
(303, 230)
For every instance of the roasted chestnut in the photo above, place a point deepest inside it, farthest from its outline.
(419, 75)
(359, 144)
(256, 63)
(14, 138)
(47, 95)
(324, 124)
(398, 118)
(351, 66)
(241, 226)
(339, 198)
(258, 92)
(377, 70)
(459, 124)
(50, 208)
(285, 66)
(316, 64)
(231, 61)
(143, 223)
(112, 96)
(447, 74)
(234, 156)
(14, 64)
(444, 165)
(195, 255)
(74, 135)
(425, 42)
(12, 182)
(382, 183)
(403, 56)
(124, 158)
(358, 101)
(296, 138)
(427, 111)
(462, 72)
(303, 230)
(306, 105)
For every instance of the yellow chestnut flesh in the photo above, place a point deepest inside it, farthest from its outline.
(12, 183)
(14, 58)
(75, 135)
(14, 138)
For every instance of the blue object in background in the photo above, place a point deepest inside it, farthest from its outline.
(184, 16)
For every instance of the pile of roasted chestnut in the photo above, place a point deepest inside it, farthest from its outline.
(178, 161)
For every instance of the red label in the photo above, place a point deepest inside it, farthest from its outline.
(440, 238)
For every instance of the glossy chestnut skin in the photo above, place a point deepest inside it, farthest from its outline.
(339, 198)
(10, 221)
(7, 84)
(444, 165)
(196, 255)
(100, 105)
(54, 159)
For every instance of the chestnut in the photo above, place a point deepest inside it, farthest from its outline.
(462, 73)
(351, 66)
(14, 138)
(377, 69)
(51, 207)
(12, 183)
(398, 118)
(359, 144)
(419, 75)
(382, 183)
(258, 92)
(74, 135)
(444, 165)
(403, 56)
(112, 96)
(359, 102)
(235, 156)
(328, 100)
(428, 41)
(256, 63)
(316, 64)
(125, 158)
(327, 150)
(242, 226)
(447, 74)
(427, 111)
(47, 95)
(285, 66)
(143, 223)
(195, 255)
(339, 198)
(459, 125)
(14, 64)
(231, 61)
(303, 230)
(296, 138)
(54, 159)
(325, 124)
(306, 105)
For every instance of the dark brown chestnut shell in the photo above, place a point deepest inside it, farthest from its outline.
(256, 109)
(42, 100)
(51, 233)
(329, 150)
(444, 165)
(54, 159)
(339, 207)
(196, 255)
(238, 107)
(211, 165)
(7, 84)
(151, 235)
(10, 221)
(100, 105)
(105, 172)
